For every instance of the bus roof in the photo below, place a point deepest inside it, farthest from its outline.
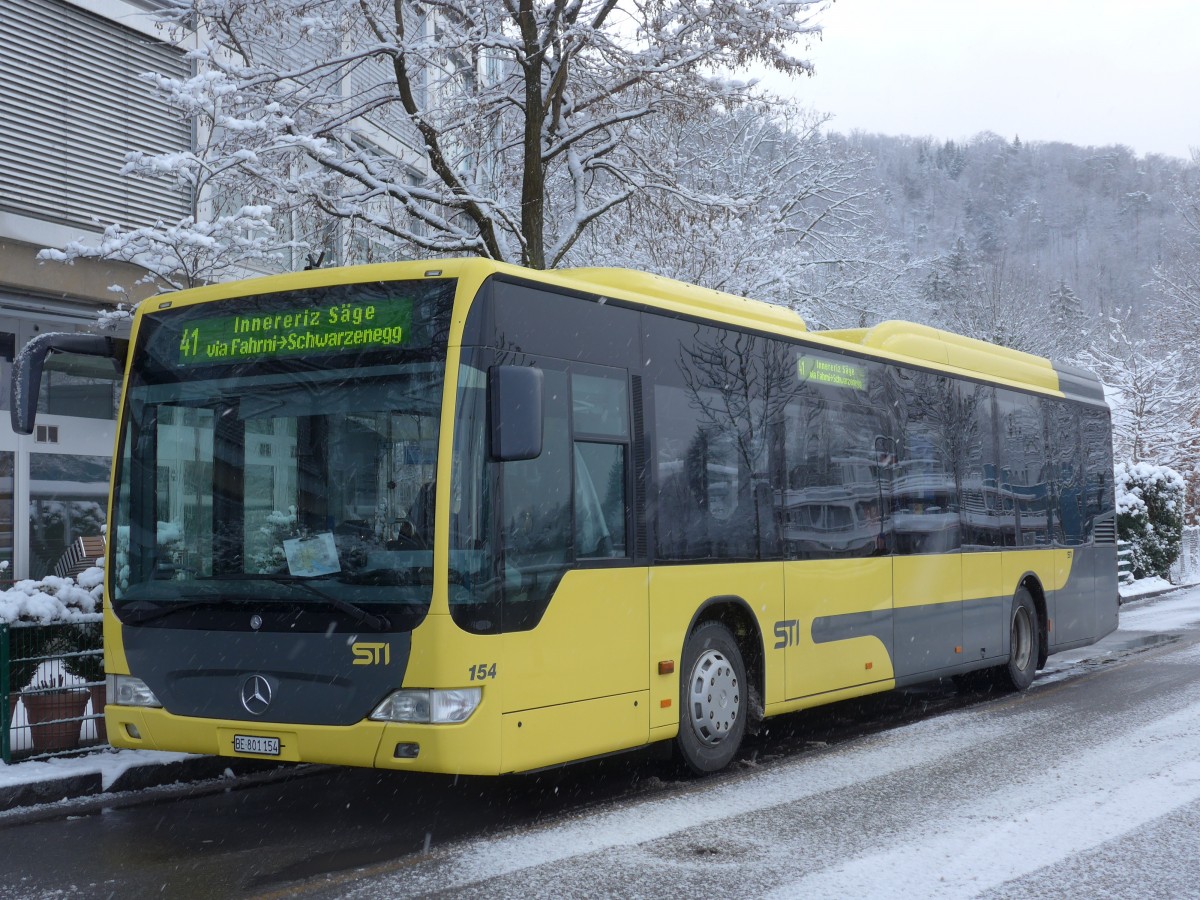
(894, 340)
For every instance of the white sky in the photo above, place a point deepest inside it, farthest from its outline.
(1083, 71)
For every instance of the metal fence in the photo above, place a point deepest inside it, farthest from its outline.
(51, 689)
(1124, 562)
(1186, 568)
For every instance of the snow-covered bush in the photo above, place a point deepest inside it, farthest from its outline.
(170, 550)
(266, 554)
(1150, 502)
(53, 599)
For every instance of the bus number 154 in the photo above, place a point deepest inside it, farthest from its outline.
(482, 671)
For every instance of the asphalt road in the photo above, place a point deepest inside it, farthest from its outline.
(825, 802)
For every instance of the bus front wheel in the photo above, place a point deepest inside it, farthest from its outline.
(713, 699)
(1024, 645)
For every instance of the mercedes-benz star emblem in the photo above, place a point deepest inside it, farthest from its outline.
(256, 695)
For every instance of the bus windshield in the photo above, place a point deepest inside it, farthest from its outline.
(287, 491)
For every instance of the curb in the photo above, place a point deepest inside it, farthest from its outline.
(1151, 594)
(136, 778)
(50, 790)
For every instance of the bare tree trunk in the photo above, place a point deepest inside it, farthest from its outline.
(533, 178)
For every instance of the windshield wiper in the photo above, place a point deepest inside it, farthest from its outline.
(357, 613)
(360, 616)
(141, 616)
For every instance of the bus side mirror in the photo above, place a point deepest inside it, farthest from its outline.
(27, 368)
(515, 410)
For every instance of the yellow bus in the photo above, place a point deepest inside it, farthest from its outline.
(463, 517)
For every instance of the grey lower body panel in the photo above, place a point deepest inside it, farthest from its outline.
(301, 678)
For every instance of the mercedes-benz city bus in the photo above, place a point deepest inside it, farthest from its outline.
(464, 517)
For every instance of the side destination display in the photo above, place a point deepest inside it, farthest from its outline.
(834, 371)
(296, 331)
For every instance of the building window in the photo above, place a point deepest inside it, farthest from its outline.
(74, 105)
(68, 499)
(6, 515)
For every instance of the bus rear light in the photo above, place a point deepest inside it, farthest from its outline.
(437, 707)
(125, 690)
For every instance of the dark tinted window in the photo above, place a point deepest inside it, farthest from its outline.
(537, 515)
(1066, 472)
(833, 502)
(600, 418)
(8, 349)
(601, 474)
(1099, 501)
(930, 450)
(988, 515)
(1024, 464)
(475, 583)
(718, 395)
(529, 320)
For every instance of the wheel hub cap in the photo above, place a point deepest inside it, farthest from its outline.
(714, 697)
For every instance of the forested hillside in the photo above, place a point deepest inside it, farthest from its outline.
(1016, 236)
(1085, 254)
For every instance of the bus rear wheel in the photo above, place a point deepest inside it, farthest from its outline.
(713, 699)
(1024, 646)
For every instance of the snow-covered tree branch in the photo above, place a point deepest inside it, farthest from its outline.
(388, 129)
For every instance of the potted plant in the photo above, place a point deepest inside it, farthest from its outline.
(54, 701)
(87, 639)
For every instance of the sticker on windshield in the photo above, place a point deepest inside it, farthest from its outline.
(312, 556)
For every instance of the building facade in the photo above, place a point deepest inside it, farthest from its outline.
(71, 107)
(73, 104)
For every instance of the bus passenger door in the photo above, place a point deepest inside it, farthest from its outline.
(575, 614)
(836, 527)
(936, 424)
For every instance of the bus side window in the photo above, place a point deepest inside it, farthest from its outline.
(600, 507)
(600, 422)
(537, 515)
(929, 463)
(1023, 460)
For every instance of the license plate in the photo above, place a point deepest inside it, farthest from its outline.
(263, 746)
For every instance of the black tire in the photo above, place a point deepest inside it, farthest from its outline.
(713, 699)
(1025, 643)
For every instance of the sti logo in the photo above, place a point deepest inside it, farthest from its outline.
(372, 654)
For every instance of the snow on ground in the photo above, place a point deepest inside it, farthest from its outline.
(921, 745)
(1000, 840)
(1179, 609)
(1020, 819)
(109, 763)
(1144, 586)
(938, 809)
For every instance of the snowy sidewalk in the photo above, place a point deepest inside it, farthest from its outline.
(113, 771)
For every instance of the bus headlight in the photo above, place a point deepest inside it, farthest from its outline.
(438, 707)
(125, 690)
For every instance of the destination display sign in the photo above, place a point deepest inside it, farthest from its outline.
(834, 371)
(297, 330)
